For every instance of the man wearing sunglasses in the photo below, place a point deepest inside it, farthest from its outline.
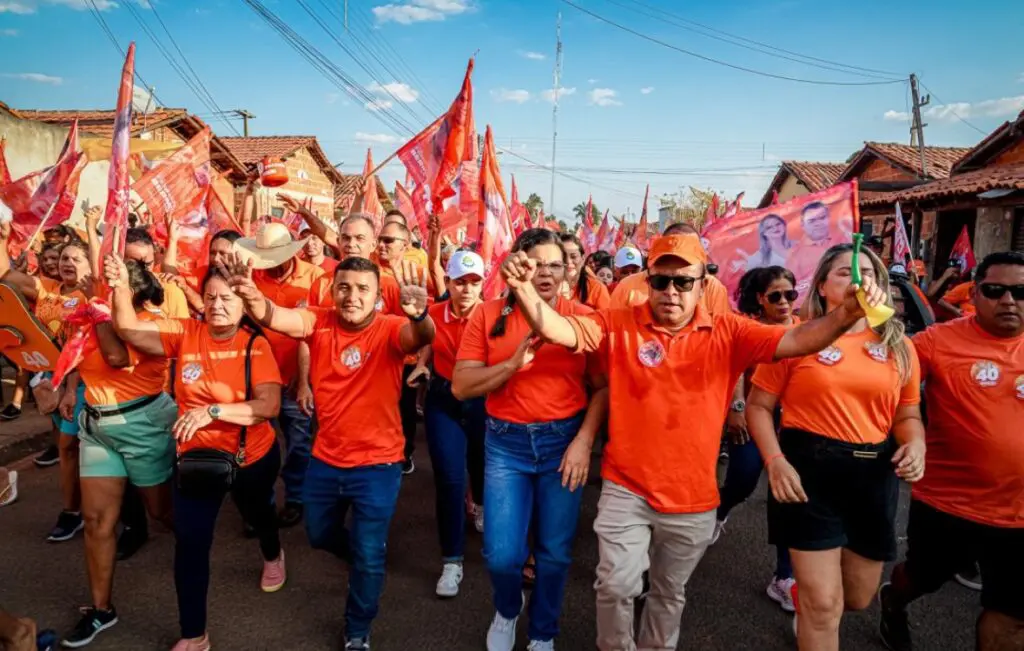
(671, 370)
(970, 503)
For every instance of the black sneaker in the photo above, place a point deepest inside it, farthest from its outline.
(93, 621)
(48, 457)
(408, 466)
(893, 627)
(10, 412)
(290, 515)
(129, 542)
(68, 524)
(357, 644)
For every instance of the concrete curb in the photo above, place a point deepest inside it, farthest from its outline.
(18, 455)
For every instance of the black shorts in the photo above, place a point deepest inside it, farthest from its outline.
(852, 493)
(939, 545)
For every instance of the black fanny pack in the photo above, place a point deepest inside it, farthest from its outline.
(208, 472)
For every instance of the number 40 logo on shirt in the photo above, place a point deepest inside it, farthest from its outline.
(986, 373)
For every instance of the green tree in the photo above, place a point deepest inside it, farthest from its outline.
(580, 209)
(690, 206)
(534, 204)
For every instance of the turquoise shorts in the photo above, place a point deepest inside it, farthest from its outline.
(136, 445)
(70, 427)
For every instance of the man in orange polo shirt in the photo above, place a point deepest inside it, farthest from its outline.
(970, 504)
(293, 283)
(357, 357)
(681, 363)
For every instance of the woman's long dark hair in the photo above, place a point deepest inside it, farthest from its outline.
(146, 288)
(754, 283)
(247, 322)
(580, 289)
(526, 242)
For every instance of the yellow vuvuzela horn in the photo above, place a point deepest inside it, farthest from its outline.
(877, 314)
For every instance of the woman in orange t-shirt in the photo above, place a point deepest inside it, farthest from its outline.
(834, 467)
(767, 294)
(210, 385)
(580, 284)
(537, 443)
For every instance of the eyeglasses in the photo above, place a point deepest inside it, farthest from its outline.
(777, 296)
(660, 282)
(995, 291)
(552, 267)
(386, 239)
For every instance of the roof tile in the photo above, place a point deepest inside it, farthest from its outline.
(101, 123)
(1008, 177)
(939, 159)
(816, 176)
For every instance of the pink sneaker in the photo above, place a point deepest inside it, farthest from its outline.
(274, 575)
(194, 644)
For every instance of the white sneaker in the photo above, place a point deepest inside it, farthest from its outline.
(9, 493)
(478, 517)
(502, 634)
(537, 645)
(451, 577)
(781, 592)
(719, 530)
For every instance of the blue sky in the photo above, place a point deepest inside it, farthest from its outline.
(629, 106)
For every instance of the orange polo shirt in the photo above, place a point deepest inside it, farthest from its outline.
(633, 290)
(106, 386)
(960, 297)
(53, 307)
(974, 384)
(598, 297)
(551, 387)
(448, 330)
(306, 285)
(356, 377)
(669, 394)
(211, 371)
(863, 389)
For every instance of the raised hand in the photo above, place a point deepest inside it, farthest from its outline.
(518, 269)
(92, 218)
(873, 295)
(238, 272)
(114, 271)
(412, 284)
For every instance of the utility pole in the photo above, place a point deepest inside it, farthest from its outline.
(556, 91)
(917, 128)
(246, 116)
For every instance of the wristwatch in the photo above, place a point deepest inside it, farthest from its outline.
(214, 411)
(738, 406)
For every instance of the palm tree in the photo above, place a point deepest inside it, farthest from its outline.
(534, 204)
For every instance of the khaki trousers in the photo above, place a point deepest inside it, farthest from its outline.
(629, 532)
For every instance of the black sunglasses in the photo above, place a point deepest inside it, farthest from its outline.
(995, 291)
(660, 282)
(776, 296)
(387, 239)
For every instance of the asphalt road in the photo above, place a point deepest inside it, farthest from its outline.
(727, 608)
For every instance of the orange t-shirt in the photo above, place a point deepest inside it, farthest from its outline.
(52, 307)
(804, 258)
(306, 285)
(960, 297)
(974, 385)
(668, 398)
(448, 330)
(633, 290)
(329, 265)
(211, 371)
(551, 387)
(106, 386)
(357, 381)
(848, 391)
(598, 297)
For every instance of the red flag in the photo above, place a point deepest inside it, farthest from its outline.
(433, 157)
(370, 203)
(469, 188)
(5, 172)
(419, 208)
(962, 251)
(775, 197)
(901, 243)
(171, 183)
(712, 214)
(589, 238)
(605, 237)
(408, 205)
(45, 198)
(541, 222)
(115, 220)
(640, 235)
(496, 233)
(520, 216)
(86, 317)
(734, 208)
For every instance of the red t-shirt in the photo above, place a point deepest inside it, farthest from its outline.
(448, 330)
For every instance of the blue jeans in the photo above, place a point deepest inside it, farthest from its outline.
(298, 443)
(741, 479)
(524, 487)
(455, 438)
(372, 492)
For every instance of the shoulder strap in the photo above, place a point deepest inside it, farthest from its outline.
(248, 391)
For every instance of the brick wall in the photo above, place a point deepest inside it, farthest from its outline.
(1014, 154)
(879, 170)
(305, 181)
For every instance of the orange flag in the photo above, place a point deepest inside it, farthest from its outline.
(640, 236)
(370, 203)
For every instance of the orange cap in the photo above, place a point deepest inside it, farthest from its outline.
(686, 247)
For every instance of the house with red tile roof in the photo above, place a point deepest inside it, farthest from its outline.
(797, 178)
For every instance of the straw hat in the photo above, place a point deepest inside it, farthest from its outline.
(272, 246)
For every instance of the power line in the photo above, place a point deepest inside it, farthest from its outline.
(113, 39)
(951, 111)
(702, 57)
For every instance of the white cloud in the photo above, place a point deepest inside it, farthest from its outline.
(416, 11)
(25, 7)
(592, 81)
(395, 90)
(379, 105)
(603, 97)
(34, 76)
(8, 32)
(989, 108)
(519, 96)
(535, 56)
(377, 138)
(16, 8)
(647, 90)
(549, 94)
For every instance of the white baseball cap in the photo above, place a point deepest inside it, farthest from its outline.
(465, 263)
(628, 256)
